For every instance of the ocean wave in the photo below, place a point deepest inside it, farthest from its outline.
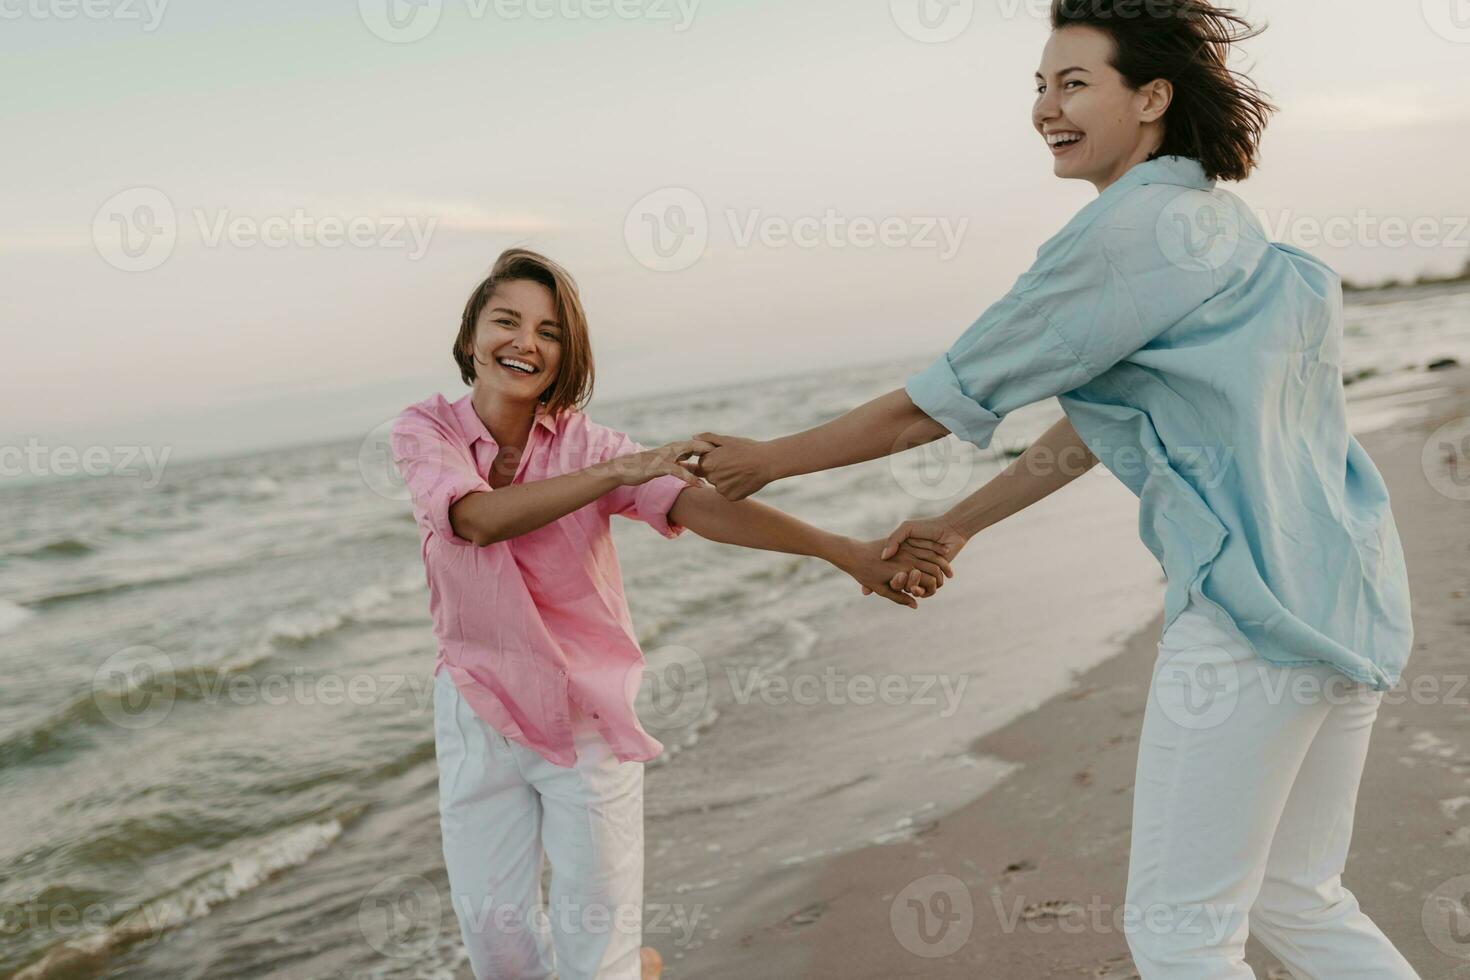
(104, 703)
(311, 624)
(96, 589)
(241, 489)
(57, 548)
(11, 615)
(286, 849)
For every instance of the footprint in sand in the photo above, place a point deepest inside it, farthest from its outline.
(808, 915)
(1117, 968)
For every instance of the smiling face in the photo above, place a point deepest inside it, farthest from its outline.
(1095, 124)
(518, 342)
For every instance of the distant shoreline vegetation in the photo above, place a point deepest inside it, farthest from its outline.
(1426, 280)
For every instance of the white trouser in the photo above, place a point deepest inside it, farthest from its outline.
(501, 807)
(1242, 812)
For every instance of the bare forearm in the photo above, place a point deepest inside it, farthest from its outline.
(1053, 461)
(485, 518)
(886, 425)
(751, 524)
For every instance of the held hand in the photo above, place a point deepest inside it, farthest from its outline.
(937, 535)
(735, 466)
(638, 468)
(913, 570)
(936, 540)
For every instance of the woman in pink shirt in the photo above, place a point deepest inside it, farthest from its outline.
(539, 749)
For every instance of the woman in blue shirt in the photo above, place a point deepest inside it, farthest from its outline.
(1200, 363)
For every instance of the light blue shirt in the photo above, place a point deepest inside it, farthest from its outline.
(1201, 364)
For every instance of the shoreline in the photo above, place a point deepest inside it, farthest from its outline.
(1043, 854)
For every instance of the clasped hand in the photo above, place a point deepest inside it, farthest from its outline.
(911, 562)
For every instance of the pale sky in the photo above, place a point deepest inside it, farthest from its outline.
(545, 123)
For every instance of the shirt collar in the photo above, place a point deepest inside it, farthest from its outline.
(470, 424)
(1181, 171)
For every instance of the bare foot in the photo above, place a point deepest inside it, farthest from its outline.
(653, 964)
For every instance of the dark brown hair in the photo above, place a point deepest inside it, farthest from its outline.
(572, 388)
(1218, 114)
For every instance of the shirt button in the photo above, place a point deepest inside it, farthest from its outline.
(596, 715)
(561, 673)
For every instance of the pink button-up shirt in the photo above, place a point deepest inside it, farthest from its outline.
(530, 625)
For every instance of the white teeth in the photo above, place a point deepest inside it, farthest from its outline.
(1055, 139)
(521, 366)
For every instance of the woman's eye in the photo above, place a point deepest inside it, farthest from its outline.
(1071, 83)
(550, 335)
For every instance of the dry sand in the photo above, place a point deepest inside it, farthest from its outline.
(1051, 840)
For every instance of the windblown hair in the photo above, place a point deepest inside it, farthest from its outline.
(572, 388)
(1218, 114)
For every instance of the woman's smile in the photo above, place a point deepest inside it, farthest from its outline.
(1064, 140)
(518, 366)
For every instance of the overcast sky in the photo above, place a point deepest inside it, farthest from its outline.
(856, 182)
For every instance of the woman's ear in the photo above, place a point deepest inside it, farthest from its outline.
(1157, 96)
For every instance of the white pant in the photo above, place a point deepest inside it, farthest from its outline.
(501, 806)
(1242, 812)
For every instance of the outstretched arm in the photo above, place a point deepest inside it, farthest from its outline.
(1050, 463)
(485, 518)
(751, 524)
(886, 425)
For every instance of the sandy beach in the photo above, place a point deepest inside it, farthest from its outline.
(1033, 871)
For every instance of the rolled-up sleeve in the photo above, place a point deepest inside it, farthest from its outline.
(647, 502)
(1102, 289)
(436, 470)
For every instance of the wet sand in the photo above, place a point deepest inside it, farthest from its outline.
(1043, 854)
